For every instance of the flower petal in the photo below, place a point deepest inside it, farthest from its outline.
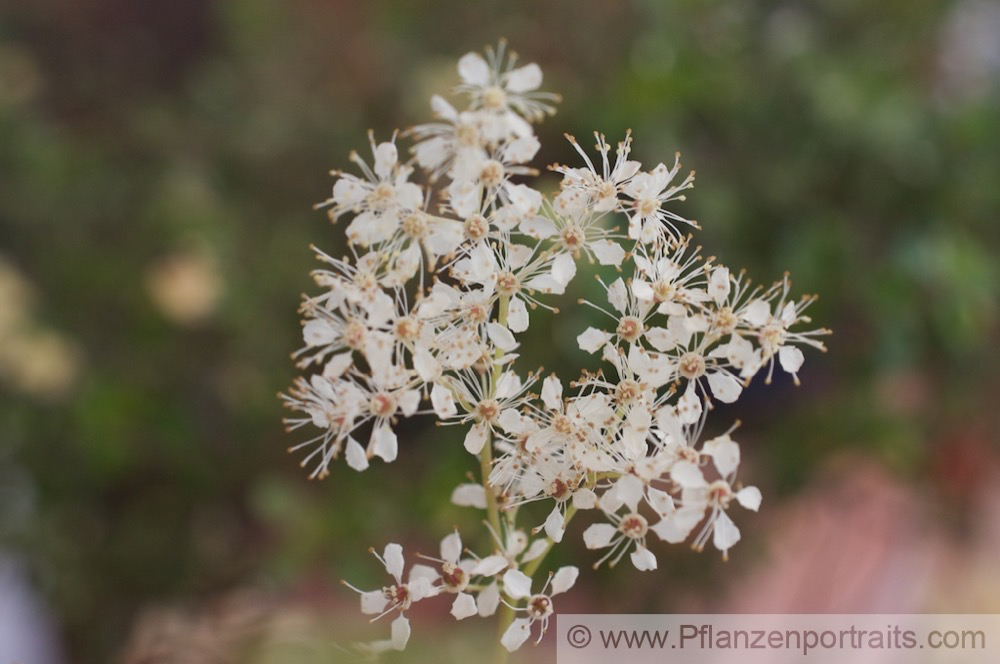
(393, 557)
(555, 524)
(725, 534)
(599, 535)
(488, 600)
(516, 634)
(524, 79)
(724, 386)
(791, 359)
(373, 602)
(451, 547)
(490, 565)
(501, 336)
(676, 527)
(725, 452)
(356, 457)
(643, 559)
(473, 69)
(469, 495)
(608, 252)
(564, 579)
(592, 339)
(443, 402)
(464, 606)
(749, 497)
(400, 632)
(516, 584)
(517, 315)
(618, 295)
(476, 438)
(584, 499)
(552, 391)
(386, 444)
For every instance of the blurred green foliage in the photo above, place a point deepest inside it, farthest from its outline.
(159, 154)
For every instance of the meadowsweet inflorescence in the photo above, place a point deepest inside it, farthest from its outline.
(423, 317)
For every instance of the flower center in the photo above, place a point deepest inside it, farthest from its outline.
(688, 454)
(771, 337)
(647, 206)
(477, 314)
(562, 424)
(488, 409)
(663, 291)
(467, 135)
(605, 191)
(573, 237)
(382, 405)
(476, 227)
(719, 492)
(415, 225)
(540, 606)
(634, 526)
(492, 173)
(354, 334)
(507, 283)
(558, 489)
(335, 419)
(494, 98)
(365, 281)
(692, 366)
(725, 321)
(630, 328)
(407, 328)
(454, 577)
(381, 197)
(397, 595)
(627, 391)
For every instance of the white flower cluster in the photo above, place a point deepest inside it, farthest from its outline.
(424, 317)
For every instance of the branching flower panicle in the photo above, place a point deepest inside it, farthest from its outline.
(425, 317)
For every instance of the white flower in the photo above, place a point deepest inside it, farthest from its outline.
(773, 329)
(379, 199)
(672, 281)
(396, 597)
(626, 531)
(506, 94)
(358, 282)
(538, 607)
(691, 363)
(334, 406)
(439, 144)
(632, 322)
(452, 575)
(487, 406)
(586, 188)
(481, 181)
(699, 496)
(650, 221)
(578, 232)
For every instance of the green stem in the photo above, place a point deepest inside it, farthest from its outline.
(500, 653)
(486, 462)
(486, 455)
(492, 507)
(533, 566)
(506, 612)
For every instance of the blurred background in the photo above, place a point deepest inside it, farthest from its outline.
(158, 164)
